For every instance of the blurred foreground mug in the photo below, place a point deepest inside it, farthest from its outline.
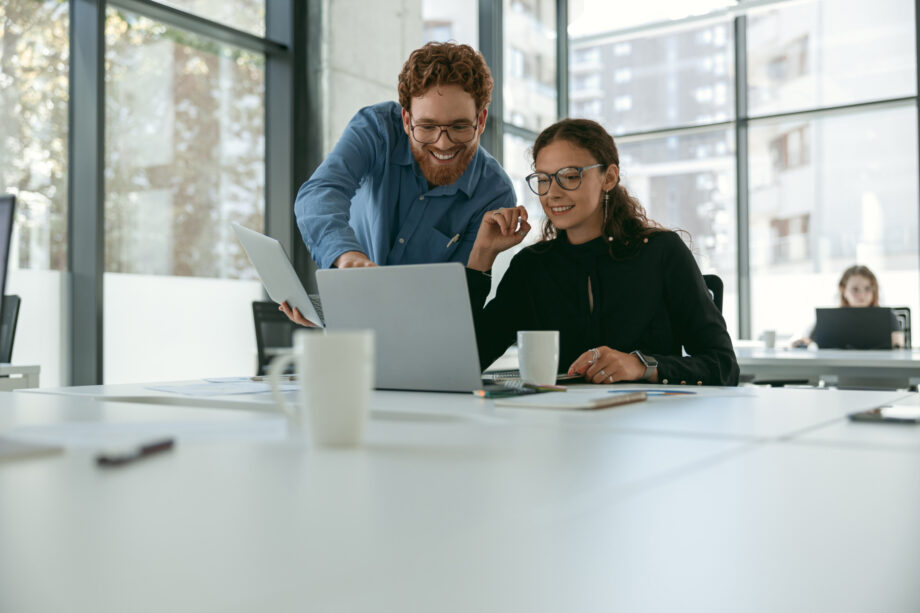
(335, 370)
(538, 356)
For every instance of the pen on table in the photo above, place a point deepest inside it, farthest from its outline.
(453, 240)
(145, 450)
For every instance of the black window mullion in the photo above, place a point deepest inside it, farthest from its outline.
(742, 179)
(491, 45)
(85, 193)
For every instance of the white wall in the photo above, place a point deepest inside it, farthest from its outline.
(43, 329)
(365, 47)
(179, 328)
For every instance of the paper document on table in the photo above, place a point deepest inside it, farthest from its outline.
(222, 388)
(569, 400)
(12, 449)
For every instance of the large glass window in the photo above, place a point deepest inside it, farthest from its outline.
(34, 56)
(448, 20)
(828, 193)
(185, 156)
(529, 93)
(588, 17)
(245, 15)
(650, 80)
(825, 190)
(804, 55)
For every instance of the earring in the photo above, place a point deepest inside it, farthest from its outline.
(606, 203)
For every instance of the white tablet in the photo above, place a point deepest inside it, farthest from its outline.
(276, 272)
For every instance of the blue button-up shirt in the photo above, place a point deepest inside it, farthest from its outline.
(369, 195)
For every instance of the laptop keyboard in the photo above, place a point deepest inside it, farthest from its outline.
(513, 374)
(314, 298)
(501, 375)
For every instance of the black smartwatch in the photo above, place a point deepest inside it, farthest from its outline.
(650, 363)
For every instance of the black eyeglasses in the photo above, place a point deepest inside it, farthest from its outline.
(457, 133)
(568, 178)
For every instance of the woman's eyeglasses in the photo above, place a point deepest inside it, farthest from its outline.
(568, 178)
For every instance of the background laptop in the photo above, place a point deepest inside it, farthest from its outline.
(422, 318)
(853, 328)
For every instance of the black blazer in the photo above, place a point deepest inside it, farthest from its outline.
(653, 300)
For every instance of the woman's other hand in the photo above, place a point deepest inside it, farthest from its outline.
(606, 365)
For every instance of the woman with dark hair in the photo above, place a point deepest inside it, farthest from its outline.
(625, 294)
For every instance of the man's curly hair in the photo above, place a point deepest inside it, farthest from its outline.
(446, 64)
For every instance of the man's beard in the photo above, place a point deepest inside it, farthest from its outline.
(443, 174)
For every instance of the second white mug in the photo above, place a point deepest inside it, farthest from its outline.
(538, 356)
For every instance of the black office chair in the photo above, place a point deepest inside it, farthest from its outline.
(9, 315)
(716, 288)
(903, 315)
(274, 332)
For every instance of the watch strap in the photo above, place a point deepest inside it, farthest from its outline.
(649, 362)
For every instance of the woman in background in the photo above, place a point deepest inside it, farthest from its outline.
(625, 294)
(858, 287)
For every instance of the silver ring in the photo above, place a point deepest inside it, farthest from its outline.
(496, 212)
(610, 378)
(603, 374)
(596, 355)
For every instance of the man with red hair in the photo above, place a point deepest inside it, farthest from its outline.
(408, 183)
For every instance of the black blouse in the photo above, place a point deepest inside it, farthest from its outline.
(654, 300)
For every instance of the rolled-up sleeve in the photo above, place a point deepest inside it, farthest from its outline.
(323, 202)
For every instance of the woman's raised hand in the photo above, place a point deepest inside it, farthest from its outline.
(500, 229)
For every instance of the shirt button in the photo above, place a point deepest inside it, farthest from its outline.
(699, 383)
(421, 197)
(665, 381)
(402, 240)
(683, 383)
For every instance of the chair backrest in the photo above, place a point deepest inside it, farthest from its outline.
(903, 315)
(9, 315)
(274, 332)
(716, 287)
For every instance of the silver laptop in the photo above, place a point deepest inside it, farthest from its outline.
(422, 318)
(277, 273)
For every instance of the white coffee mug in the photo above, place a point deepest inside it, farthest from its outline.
(769, 339)
(538, 356)
(335, 370)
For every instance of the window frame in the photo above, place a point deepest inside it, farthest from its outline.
(491, 44)
(86, 221)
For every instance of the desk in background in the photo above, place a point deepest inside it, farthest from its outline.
(723, 500)
(895, 368)
(14, 377)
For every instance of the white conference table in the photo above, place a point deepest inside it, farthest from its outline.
(747, 499)
(893, 368)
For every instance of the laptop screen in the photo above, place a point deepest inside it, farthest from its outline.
(854, 328)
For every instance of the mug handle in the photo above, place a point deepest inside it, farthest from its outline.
(275, 369)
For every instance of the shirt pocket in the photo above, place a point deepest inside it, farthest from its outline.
(447, 235)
